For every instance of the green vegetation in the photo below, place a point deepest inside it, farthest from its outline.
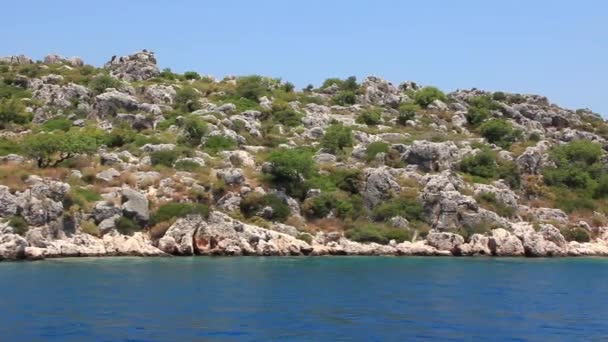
(194, 130)
(576, 234)
(172, 211)
(187, 99)
(192, 75)
(374, 148)
(49, 149)
(499, 132)
(254, 202)
(126, 226)
(12, 111)
(370, 117)
(480, 110)
(407, 112)
(337, 137)
(165, 158)
(290, 168)
(427, 95)
(377, 233)
(18, 224)
(486, 166)
(252, 87)
(410, 208)
(57, 124)
(218, 143)
(102, 82)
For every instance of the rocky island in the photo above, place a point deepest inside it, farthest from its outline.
(129, 159)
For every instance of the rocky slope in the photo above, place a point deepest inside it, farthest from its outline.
(129, 159)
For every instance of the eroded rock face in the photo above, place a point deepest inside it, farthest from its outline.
(140, 66)
(432, 156)
(135, 205)
(113, 101)
(12, 247)
(548, 241)
(179, 238)
(16, 59)
(504, 243)
(380, 92)
(379, 186)
(445, 241)
(223, 235)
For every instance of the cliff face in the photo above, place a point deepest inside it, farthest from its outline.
(131, 160)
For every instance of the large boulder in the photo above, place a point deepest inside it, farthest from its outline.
(504, 243)
(8, 202)
(137, 67)
(432, 156)
(379, 186)
(113, 101)
(548, 241)
(138, 245)
(12, 247)
(179, 238)
(445, 241)
(135, 205)
(380, 92)
(16, 59)
(534, 158)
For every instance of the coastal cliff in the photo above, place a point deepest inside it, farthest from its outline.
(129, 159)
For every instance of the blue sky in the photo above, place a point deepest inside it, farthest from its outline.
(554, 48)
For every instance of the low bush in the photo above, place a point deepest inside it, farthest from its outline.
(407, 112)
(377, 233)
(18, 224)
(370, 117)
(374, 148)
(100, 83)
(427, 95)
(57, 124)
(171, 211)
(192, 75)
(576, 234)
(254, 202)
(126, 226)
(165, 158)
(187, 99)
(337, 137)
(499, 132)
(345, 98)
(410, 208)
(218, 143)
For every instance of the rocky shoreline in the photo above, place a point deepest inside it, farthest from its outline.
(131, 159)
(221, 235)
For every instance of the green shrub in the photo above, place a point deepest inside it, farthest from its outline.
(187, 165)
(120, 136)
(82, 197)
(251, 87)
(126, 226)
(374, 148)
(187, 99)
(305, 237)
(499, 96)
(483, 164)
(407, 112)
(164, 158)
(409, 208)
(289, 169)
(499, 132)
(370, 117)
(577, 165)
(192, 75)
(170, 211)
(576, 234)
(217, 143)
(254, 202)
(194, 130)
(347, 180)
(100, 83)
(377, 233)
(476, 116)
(467, 231)
(8, 146)
(57, 124)
(337, 137)
(345, 98)
(12, 111)
(19, 225)
(427, 95)
(285, 115)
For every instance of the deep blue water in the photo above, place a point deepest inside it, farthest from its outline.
(306, 299)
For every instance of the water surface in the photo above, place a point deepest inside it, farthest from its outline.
(306, 299)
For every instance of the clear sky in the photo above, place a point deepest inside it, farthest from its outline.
(555, 48)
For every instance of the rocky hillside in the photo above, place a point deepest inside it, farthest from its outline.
(129, 159)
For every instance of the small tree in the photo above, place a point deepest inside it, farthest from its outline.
(499, 132)
(370, 117)
(194, 129)
(337, 137)
(192, 75)
(51, 149)
(251, 87)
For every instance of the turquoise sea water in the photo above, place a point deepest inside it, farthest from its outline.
(305, 299)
